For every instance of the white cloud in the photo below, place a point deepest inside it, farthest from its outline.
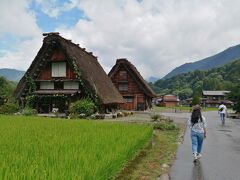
(17, 19)
(23, 56)
(19, 22)
(156, 35)
(53, 8)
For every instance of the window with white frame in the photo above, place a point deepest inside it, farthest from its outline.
(46, 85)
(123, 87)
(59, 69)
(71, 85)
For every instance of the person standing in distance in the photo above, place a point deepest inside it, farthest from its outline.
(197, 124)
(222, 109)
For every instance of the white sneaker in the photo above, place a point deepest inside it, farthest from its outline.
(195, 157)
(199, 155)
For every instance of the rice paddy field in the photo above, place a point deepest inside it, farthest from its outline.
(45, 148)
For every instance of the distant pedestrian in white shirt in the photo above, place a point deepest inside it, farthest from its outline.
(222, 110)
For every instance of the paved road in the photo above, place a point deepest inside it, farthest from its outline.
(221, 152)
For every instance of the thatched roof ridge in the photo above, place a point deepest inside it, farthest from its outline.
(91, 73)
(137, 76)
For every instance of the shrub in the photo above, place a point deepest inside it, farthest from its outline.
(163, 125)
(72, 116)
(120, 114)
(100, 116)
(155, 117)
(125, 113)
(9, 108)
(83, 106)
(27, 111)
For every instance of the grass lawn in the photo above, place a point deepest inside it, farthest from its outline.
(44, 148)
(181, 109)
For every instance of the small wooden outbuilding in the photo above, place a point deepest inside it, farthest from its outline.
(168, 100)
(63, 72)
(137, 93)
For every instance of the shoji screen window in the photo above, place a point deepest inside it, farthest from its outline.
(59, 69)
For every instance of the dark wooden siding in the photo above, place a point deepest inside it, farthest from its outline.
(139, 98)
(58, 55)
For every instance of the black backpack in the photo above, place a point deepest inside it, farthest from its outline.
(221, 109)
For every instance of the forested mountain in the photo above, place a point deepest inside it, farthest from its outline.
(152, 79)
(11, 74)
(229, 55)
(187, 84)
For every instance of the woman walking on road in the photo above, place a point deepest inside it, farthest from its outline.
(197, 124)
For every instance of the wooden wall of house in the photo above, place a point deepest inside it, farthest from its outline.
(214, 97)
(139, 98)
(132, 86)
(127, 106)
(58, 56)
(169, 104)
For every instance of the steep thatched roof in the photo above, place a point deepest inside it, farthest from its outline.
(132, 70)
(91, 73)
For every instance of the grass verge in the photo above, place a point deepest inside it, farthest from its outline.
(149, 163)
(178, 109)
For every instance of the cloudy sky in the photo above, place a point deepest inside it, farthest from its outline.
(155, 35)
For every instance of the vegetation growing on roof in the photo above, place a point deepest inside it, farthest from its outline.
(30, 83)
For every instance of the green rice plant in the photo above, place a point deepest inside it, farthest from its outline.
(45, 148)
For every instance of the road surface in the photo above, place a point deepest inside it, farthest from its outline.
(221, 152)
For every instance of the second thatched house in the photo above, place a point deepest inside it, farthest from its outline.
(63, 72)
(137, 93)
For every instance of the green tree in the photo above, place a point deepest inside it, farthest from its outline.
(6, 88)
(234, 95)
(196, 100)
